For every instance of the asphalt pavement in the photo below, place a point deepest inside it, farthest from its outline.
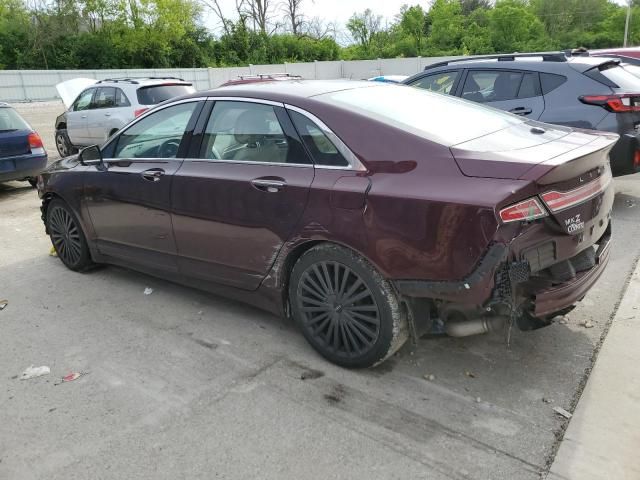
(184, 384)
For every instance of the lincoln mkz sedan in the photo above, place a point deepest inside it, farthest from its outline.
(367, 212)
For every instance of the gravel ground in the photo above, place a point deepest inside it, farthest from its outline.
(183, 384)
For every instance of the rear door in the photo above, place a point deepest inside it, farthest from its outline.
(129, 202)
(77, 118)
(239, 197)
(515, 91)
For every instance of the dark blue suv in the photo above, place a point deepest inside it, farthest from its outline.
(583, 92)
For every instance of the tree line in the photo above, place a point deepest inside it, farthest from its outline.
(97, 34)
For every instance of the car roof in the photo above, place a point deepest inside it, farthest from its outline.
(285, 91)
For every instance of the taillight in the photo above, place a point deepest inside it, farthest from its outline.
(139, 112)
(614, 103)
(35, 141)
(557, 201)
(526, 210)
(636, 159)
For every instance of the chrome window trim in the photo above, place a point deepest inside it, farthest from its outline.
(252, 162)
(246, 99)
(350, 157)
(149, 112)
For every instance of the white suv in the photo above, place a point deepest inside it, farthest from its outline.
(103, 107)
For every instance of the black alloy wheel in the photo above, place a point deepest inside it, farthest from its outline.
(67, 236)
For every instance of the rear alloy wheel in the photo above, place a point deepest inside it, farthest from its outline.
(344, 307)
(67, 237)
(63, 144)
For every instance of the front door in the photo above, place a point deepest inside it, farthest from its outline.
(239, 198)
(514, 91)
(99, 117)
(129, 202)
(77, 118)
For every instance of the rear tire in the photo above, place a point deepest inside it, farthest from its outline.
(67, 237)
(346, 310)
(63, 144)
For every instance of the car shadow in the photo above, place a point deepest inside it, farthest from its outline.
(12, 189)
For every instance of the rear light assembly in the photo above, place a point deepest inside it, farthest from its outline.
(636, 159)
(558, 201)
(139, 112)
(527, 210)
(35, 144)
(614, 103)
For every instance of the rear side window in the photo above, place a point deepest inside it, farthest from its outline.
(530, 86)
(438, 82)
(105, 98)
(551, 81)
(159, 93)
(10, 120)
(491, 85)
(322, 149)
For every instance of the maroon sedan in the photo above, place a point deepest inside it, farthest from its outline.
(368, 212)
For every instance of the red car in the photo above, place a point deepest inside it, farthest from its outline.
(366, 211)
(261, 77)
(627, 55)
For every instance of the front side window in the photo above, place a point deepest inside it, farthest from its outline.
(323, 151)
(83, 102)
(439, 82)
(105, 98)
(158, 135)
(491, 85)
(246, 132)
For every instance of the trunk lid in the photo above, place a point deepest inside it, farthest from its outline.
(14, 143)
(569, 169)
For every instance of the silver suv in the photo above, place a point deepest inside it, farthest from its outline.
(105, 106)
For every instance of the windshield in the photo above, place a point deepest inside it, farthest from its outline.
(159, 93)
(10, 120)
(440, 118)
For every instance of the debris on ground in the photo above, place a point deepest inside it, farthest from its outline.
(3, 304)
(478, 400)
(200, 312)
(631, 203)
(52, 252)
(71, 377)
(148, 291)
(562, 412)
(430, 377)
(547, 400)
(563, 320)
(469, 374)
(587, 324)
(33, 372)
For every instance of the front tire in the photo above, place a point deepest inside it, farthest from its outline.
(346, 310)
(63, 144)
(67, 237)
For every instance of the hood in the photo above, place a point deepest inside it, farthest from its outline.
(70, 89)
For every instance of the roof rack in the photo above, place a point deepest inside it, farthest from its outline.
(268, 75)
(506, 57)
(134, 80)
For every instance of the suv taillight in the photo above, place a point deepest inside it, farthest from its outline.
(35, 141)
(614, 103)
(139, 111)
(527, 210)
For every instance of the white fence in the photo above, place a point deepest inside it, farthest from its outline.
(35, 85)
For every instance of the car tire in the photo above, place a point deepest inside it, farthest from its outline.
(67, 237)
(346, 310)
(63, 144)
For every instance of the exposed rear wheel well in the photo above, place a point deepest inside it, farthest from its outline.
(61, 126)
(46, 200)
(290, 261)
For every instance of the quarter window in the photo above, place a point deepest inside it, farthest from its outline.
(156, 136)
(121, 99)
(247, 132)
(323, 151)
(439, 82)
(83, 102)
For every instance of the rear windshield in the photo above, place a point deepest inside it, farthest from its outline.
(159, 93)
(623, 78)
(10, 120)
(437, 117)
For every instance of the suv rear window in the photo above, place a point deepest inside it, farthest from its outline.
(10, 120)
(155, 94)
(620, 77)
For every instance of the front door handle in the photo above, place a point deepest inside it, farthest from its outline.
(153, 174)
(521, 110)
(269, 185)
(83, 116)
(107, 114)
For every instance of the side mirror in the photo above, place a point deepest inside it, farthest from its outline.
(91, 156)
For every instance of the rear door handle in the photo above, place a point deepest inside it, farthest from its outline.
(83, 116)
(521, 110)
(269, 185)
(153, 174)
(107, 114)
